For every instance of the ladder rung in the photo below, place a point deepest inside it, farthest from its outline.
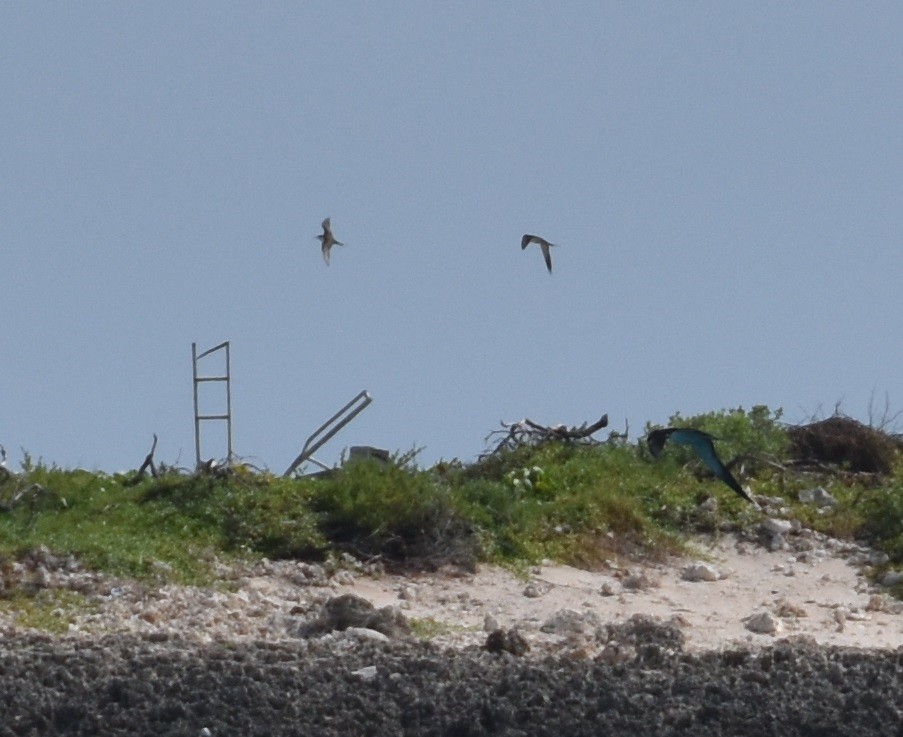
(212, 378)
(213, 417)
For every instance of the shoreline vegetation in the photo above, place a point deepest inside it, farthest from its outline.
(574, 502)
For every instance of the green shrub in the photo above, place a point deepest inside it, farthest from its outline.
(394, 510)
(574, 503)
(882, 511)
(275, 520)
(738, 432)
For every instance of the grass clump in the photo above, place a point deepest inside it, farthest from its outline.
(172, 527)
(572, 503)
(49, 610)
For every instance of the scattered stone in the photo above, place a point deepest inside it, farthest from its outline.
(607, 589)
(803, 641)
(364, 633)
(645, 629)
(808, 557)
(883, 603)
(308, 574)
(892, 578)
(367, 673)
(569, 622)
(776, 526)
(535, 590)
(343, 578)
(616, 653)
(348, 610)
(638, 582)
(764, 623)
(700, 572)
(787, 609)
(490, 623)
(507, 641)
(818, 497)
(878, 558)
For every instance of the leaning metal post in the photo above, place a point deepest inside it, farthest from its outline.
(314, 442)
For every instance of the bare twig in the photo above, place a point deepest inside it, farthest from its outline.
(33, 492)
(528, 432)
(148, 463)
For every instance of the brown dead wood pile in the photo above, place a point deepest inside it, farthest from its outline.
(845, 442)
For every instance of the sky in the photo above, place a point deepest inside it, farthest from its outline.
(724, 181)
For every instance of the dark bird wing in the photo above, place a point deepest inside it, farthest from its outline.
(328, 239)
(656, 440)
(546, 254)
(702, 443)
(526, 240)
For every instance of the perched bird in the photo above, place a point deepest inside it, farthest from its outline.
(701, 442)
(542, 243)
(328, 240)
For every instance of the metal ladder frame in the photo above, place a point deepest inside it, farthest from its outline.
(198, 418)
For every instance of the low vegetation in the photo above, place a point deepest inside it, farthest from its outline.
(576, 503)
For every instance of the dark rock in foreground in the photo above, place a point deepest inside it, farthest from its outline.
(335, 686)
(348, 610)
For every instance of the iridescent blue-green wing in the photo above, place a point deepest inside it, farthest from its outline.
(702, 443)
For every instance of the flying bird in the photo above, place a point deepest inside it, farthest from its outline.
(328, 240)
(701, 442)
(542, 243)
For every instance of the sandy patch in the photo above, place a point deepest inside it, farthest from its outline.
(820, 595)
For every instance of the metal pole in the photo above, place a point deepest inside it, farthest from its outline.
(229, 402)
(197, 421)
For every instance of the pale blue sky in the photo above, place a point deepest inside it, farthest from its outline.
(725, 180)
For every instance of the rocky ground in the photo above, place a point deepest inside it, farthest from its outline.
(127, 685)
(776, 631)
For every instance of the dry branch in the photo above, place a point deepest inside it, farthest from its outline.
(528, 432)
(32, 493)
(148, 463)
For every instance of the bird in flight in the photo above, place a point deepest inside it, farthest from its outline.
(701, 442)
(542, 243)
(328, 240)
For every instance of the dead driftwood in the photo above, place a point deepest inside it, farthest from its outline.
(148, 464)
(16, 489)
(527, 432)
(33, 494)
